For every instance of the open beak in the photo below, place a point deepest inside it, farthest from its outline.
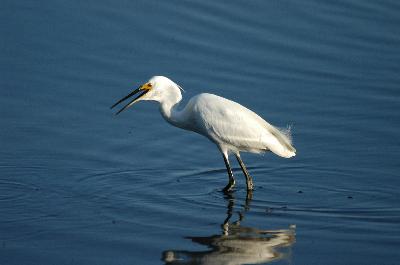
(145, 88)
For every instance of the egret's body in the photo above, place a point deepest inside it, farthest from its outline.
(232, 127)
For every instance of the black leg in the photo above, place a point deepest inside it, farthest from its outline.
(249, 180)
(231, 183)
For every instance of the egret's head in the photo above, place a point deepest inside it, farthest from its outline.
(155, 89)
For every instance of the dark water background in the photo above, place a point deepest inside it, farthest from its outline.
(80, 186)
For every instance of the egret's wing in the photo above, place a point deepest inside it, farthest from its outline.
(230, 123)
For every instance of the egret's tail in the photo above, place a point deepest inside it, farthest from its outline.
(287, 134)
(280, 142)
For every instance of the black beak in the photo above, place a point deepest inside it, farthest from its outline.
(137, 90)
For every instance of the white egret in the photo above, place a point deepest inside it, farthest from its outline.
(232, 127)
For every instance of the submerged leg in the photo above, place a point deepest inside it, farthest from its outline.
(230, 174)
(249, 180)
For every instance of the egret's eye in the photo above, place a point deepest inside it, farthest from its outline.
(147, 86)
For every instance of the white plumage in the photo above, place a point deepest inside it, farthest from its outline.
(232, 127)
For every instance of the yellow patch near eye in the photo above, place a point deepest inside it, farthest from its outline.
(146, 86)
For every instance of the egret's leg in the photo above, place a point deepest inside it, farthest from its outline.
(230, 174)
(249, 180)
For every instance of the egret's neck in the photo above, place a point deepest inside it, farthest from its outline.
(169, 109)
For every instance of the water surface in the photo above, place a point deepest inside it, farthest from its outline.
(80, 186)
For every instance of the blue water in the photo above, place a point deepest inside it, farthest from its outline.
(81, 186)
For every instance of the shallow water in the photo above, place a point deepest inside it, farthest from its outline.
(80, 186)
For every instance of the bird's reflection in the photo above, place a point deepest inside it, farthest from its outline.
(236, 244)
